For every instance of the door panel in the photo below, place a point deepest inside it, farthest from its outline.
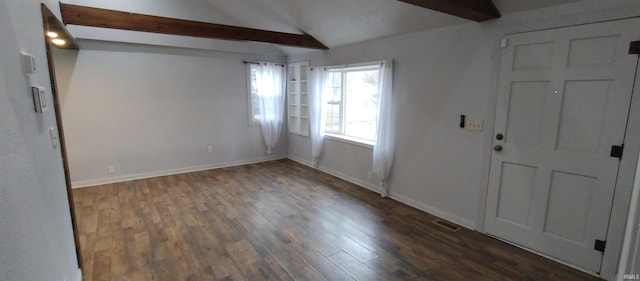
(533, 56)
(516, 187)
(569, 205)
(526, 106)
(593, 51)
(582, 115)
(563, 100)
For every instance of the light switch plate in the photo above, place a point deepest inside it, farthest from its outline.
(474, 124)
(28, 63)
(39, 99)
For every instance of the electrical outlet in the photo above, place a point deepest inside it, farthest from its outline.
(370, 175)
(474, 124)
(295, 151)
(210, 149)
(111, 170)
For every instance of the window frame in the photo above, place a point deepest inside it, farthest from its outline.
(341, 107)
(340, 135)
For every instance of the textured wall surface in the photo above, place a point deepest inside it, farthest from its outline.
(150, 111)
(36, 237)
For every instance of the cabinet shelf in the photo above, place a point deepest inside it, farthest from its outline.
(297, 88)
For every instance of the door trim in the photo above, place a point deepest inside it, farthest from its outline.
(624, 186)
(46, 15)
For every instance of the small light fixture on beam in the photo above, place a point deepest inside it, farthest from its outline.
(52, 34)
(58, 42)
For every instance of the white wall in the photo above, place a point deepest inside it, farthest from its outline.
(439, 75)
(36, 237)
(152, 111)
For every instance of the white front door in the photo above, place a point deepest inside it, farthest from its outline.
(563, 101)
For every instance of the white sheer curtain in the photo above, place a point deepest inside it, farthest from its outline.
(385, 122)
(318, 84)
(270, 85)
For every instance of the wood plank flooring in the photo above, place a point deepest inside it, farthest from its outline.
(281, 221)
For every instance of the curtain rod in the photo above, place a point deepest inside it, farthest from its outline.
(255, 62)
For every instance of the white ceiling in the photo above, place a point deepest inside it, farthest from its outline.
(341, 22)
(333, 22)
(512, 6)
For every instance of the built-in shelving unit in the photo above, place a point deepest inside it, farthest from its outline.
(298, 98)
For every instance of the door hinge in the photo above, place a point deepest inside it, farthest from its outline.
(616, 151)
(634, 48)
(600, 245)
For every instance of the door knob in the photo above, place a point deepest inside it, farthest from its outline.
(497, 147)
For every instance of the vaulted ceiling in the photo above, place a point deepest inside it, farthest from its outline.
(332, 22)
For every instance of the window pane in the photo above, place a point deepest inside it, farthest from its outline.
(255, 106)
(334, 104)
(360, 104)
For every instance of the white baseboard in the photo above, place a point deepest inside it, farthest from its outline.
(395, 196)
(87, 183)
(78, 276)
(337, 174)
(470, 224)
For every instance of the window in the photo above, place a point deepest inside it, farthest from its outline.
(254, 104)
(351, 106)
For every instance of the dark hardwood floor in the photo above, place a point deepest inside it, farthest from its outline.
(281, 221)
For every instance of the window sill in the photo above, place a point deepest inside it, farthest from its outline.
(351, 140)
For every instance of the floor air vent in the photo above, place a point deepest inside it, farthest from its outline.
(446, 225)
